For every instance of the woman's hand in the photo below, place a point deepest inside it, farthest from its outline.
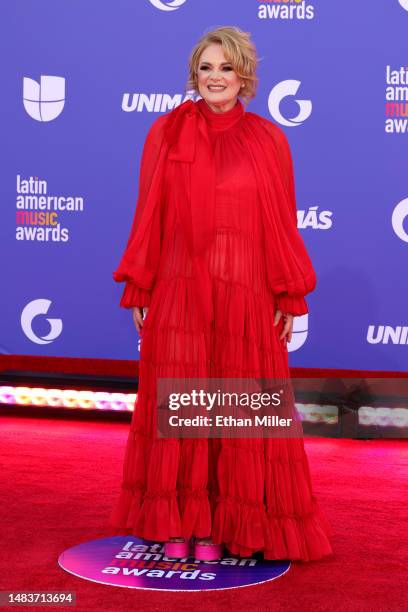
(138, 316)
(287, 327)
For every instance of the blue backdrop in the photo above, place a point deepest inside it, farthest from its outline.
(82, 83)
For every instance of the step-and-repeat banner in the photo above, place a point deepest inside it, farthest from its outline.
(82, 83)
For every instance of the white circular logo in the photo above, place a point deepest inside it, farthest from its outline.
(404, 4)
(34, 309)
(170, 5)
(399, 215)
(283, 90)
(299, 333)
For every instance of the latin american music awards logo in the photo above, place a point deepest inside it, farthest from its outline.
(130, 562)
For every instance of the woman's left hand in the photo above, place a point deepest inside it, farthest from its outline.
(287, 325)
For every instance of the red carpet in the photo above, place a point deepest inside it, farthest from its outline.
(59, 480)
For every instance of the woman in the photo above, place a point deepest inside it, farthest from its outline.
(215, 257)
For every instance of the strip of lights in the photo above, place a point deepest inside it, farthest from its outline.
(318, 413)
(383, 416)
(124, 402)
(67, 398)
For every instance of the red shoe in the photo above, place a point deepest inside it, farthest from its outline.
(177, 550)
(208, 552)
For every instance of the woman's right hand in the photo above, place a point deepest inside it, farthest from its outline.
(138, 317)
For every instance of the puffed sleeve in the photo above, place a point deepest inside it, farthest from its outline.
(289, 303)
(140, 260)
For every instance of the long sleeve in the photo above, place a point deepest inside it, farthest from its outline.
(290, 302)
(140, 260)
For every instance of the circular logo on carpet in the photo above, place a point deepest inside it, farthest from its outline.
(139, 564)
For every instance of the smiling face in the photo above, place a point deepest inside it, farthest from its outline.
(218, 83)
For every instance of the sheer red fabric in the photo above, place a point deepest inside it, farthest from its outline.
(214, 250)
(183, 136)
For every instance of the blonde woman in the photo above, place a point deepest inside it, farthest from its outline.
(215, 261)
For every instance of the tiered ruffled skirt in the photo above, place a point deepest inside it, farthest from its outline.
(250, 494)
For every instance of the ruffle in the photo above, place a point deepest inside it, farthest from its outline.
(295, 305)
(135, 296)
(252, 495)
(158, 498)
(246, 344)
(246, 528)
(269, 509)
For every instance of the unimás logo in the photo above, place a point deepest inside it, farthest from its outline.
(387, 334)
(283, 90)
(37, 308)
(45, 100)
(399, 216)
(404, 4)
(299, 333)
(154, 102)
(169, 5)
(312, 218)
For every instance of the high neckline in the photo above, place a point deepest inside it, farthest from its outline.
(221, 121)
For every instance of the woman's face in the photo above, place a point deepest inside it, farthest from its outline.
(218, 83)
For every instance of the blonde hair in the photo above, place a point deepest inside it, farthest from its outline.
(238, 49)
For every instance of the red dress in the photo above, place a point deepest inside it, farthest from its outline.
(251, 494)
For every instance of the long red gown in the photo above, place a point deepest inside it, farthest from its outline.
(250, 494)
